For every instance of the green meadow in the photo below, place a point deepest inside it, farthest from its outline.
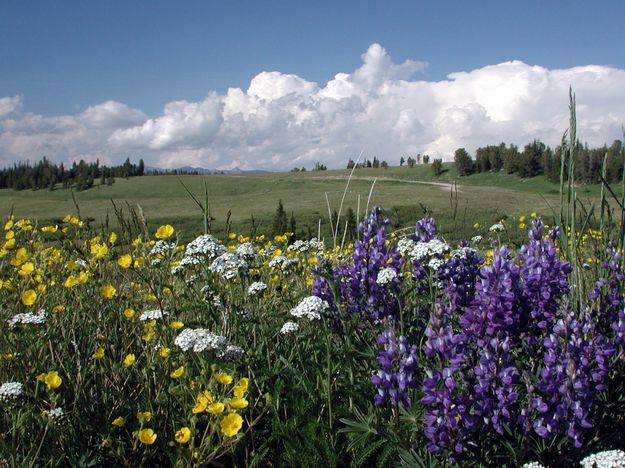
(244, 200)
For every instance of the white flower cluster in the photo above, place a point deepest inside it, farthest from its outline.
(56, 415)
(418, 251)
(306, 246)
(606, 459)
(229, 265)
(206, 246)
(386, 276)
(497, 227)
(232, 353)
(247, 251)
(462, 252)
(282, 262)
(155, 314)
(28, 318)
(10, 391)
(256, 288)
(289, 327)
(162, 247)
(435, 264)
(533, 465)
(200, 339)
(310, 307)
(476, 239)
(81, 263)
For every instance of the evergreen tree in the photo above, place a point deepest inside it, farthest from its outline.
(464, 163)
(437, 167)
(401, 161)
(279, 220)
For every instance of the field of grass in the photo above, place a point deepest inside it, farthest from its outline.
(405, 193)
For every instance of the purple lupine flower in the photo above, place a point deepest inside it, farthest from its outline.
(545, 280)
(358, 289)
(398, 363)
(575, 364)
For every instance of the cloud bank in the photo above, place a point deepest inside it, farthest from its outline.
(282, 121)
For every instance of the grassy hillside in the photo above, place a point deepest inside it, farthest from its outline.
(405, 192)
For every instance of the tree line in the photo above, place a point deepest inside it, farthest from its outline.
(79, 176)
(537, 158)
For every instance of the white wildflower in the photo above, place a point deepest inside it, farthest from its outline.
(162, 247)
(229, 265)
(497, 227)
(533, 465)
(302, 246)
(289, 327)
(435, 264)
(204, 246)
(310, 307)
(386, 276)
(28, 318)
(476, 239)
(155, 314)
(56, 415)
(247, 251)
(200, 339)
(231, 353)
(256, 288)
(10, 391)
(606, 459)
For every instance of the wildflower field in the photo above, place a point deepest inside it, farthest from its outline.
(129, 347)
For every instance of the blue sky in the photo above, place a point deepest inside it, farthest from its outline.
(62, 57)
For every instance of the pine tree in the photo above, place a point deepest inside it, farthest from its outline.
(279, 220)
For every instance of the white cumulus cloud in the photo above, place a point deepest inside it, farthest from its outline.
(382, 108)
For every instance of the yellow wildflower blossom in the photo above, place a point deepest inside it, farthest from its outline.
(125, 261)
(118, 422)
(223, 378)
(183, 435)
(215, 408)
(108, 291)
(231, 424)
(146, 436)
(51, 379)
(99, 354)
(165, 231)
(29, 297)
(177, 373)
(129, 360)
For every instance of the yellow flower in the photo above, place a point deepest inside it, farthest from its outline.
(108, 291)
(129, 313)
(58, 308)
(50, 228)
(232, 235)
(223, 378)
(231, 424)
(522, 219)
(176, 325)
(20, 257)
(241, 387)
(177, 373)
(183, 435)
(202, 402)
(26, 269)
(9, 224)
(144, 416)
(118, 422)
(164, 232)
(147, 436)
(125, 261)
(129, 360)
(238, 402)
(29, 297)
(99, 250)
(164, 352)
(99, 354)
(215, 408)
(476, 226)
(51, 379)
(522, 226)
(112, 238)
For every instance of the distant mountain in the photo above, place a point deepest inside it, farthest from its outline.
(202, 170)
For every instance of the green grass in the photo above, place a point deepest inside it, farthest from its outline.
(403, 191)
